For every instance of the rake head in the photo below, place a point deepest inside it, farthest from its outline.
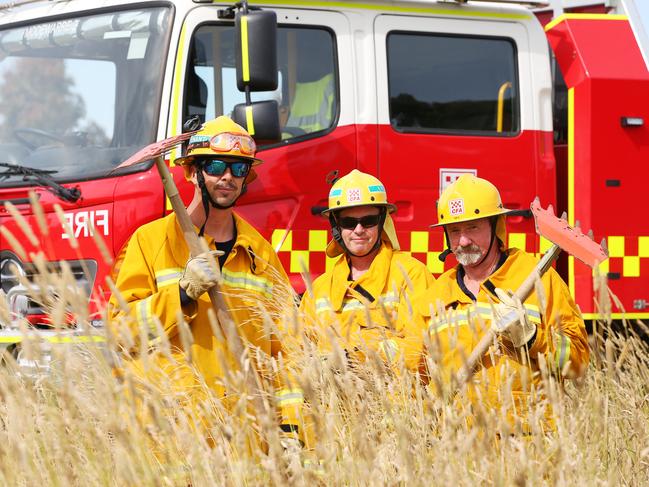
(570, 239)
(156, 149)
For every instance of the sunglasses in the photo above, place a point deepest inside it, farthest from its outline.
(217, 167)
(227, 142)
(367, 221)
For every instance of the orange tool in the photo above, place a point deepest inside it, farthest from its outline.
(563, 236)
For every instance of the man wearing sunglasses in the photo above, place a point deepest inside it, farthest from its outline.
(356, 300)
(158, 281)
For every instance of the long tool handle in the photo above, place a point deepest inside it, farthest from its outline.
(525, 289)
(523, 292)
(189, 233)
(221, 311)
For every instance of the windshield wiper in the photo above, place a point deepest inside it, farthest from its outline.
(43, 178)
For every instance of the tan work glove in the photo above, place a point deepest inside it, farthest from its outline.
(201, 273)
(291, 445)
(511, 321)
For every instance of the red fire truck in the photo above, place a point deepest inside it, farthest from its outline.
(416, 92)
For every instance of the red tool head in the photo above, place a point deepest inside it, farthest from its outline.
(156, 149)
(570, 239)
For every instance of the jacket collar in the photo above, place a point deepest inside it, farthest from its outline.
(248, 241)
(373, 281)
(506, 275)
(487, 283)
(451, 294)
(253, 244)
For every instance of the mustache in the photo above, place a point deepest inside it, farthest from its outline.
(468, 255)
(469, 249)
(226, 186)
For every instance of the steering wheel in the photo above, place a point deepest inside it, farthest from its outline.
(21, 132)
(294, 131)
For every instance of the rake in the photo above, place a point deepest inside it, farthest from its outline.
(563, 237)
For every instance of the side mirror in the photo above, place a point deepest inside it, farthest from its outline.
(260, 119)
(255, 44)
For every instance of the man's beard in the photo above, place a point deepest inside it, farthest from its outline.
(469, 255)
(229, 200)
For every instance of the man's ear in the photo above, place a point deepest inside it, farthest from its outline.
(192, 174)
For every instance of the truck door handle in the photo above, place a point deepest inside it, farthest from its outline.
(317, 210)
(523, 213)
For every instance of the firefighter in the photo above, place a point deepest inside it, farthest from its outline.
(160, 283)
(313, 101)
(464, 300)
(356, 300)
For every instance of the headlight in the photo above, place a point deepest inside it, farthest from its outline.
(21, 302)
(10, 269)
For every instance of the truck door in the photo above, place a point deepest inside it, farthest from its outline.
(457, 96)
(315, 95)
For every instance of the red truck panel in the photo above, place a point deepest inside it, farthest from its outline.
(607, 81)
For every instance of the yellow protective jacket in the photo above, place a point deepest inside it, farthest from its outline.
(254, 282)
(312, 108)
(340, 308)
(456, 323)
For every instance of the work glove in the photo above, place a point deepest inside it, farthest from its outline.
(291, 445)
(201, 273)
(295, 451)
(511, 321)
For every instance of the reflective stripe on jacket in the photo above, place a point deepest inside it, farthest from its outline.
(339, 307)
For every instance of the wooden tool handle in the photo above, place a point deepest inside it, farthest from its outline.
(522, 293)
(193, 242)
(525, 289)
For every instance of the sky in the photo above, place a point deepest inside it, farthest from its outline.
(640, 24)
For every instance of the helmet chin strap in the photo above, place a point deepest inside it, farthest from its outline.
(337, 235)
(493, 223)
(447, 251)
(208, 201)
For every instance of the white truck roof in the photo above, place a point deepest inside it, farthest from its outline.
(21, 10)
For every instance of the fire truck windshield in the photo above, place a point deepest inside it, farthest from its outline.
(79, 95)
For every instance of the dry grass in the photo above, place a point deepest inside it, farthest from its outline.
(80, 424)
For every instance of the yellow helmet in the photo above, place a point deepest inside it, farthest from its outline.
(220, 137)
(360, 189)
(471, 198)
(357, 189)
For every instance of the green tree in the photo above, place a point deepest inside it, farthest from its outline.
(37, 93)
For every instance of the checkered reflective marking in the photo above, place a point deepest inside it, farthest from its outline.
(627, 254)
(293, 254)
(305, 249)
